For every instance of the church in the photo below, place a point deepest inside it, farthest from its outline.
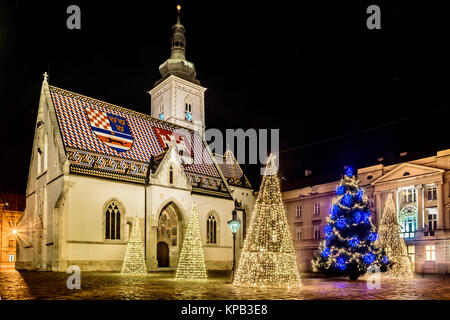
(95, 166)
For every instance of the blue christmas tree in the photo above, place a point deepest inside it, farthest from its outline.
(348, 248)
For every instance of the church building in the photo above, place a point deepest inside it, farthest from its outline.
(95, 166)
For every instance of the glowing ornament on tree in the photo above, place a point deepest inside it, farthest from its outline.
(134, 262)
(268, 257)
(389, 239)
(191, 265)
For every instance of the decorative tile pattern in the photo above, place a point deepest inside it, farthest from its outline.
(75, 113)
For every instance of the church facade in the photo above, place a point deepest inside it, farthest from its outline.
(96, 166)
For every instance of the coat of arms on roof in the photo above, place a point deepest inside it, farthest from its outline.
(111, 129)
(178, 137)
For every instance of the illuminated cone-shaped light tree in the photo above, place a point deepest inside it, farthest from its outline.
(394, 246)
(268, 257)
(134, 262)
(349, 247)
(191, 265)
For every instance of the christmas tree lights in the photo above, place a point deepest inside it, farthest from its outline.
(390, 240)
(191, 265)
(268, 257)
(134, 262)
(349, 245)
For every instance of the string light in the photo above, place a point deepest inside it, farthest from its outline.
(349, 248)
(268, 257)
(390, 240)
(191, 265)
(134, 262)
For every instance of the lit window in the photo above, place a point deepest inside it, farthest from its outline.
(431, 193)
(112, 221)
(211, 229)
(431, 253)
(411, 255)
(298, 213)
(11, 258)
(316, 208)
(317, 232)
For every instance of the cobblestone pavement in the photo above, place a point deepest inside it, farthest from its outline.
(103, 285)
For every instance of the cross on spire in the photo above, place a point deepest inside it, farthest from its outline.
(45, 76)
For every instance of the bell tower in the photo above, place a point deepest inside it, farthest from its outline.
(178, 96)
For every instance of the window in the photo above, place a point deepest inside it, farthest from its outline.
(409, 195)
(432, 218)
(317, 232)
(211, 229)
(244, 224)
(411, 256)
(112, 221)
(11, 258)
(171, 175)
(316, 208)
(431, 253)
(298, 234)
(11, 243)
(431, 193)
(298, 212)
(370, 200)
(188, 107)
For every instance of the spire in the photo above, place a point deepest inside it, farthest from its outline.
(178, 39)
(177, 64)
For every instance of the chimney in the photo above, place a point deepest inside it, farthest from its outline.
(308, 173)
(380, 159)
(402, 154)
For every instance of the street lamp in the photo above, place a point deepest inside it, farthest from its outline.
(234, 225)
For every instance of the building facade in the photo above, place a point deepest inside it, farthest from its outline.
(421, 192)
(95, 166)
(11, 211)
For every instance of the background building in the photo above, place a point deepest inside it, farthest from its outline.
(11, 211)
(421, 192)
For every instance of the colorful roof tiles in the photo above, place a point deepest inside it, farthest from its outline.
(231, 170)
(91, 125)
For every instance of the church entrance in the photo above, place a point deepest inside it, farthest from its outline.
(163, 254)
(168, 235)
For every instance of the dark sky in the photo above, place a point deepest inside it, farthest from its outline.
(311, 69)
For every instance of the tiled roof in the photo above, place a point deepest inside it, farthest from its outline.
(95, 126)
(231, 170)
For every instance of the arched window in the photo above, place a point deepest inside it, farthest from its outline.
(112, 221)
(211, 229)
(171, 175)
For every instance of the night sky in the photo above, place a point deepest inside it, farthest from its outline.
(311, 69)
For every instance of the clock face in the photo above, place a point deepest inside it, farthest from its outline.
(161, 116)
(188, 116)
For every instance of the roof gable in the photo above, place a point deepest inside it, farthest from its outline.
(407, 170)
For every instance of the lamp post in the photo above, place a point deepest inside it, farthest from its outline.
(234, 225)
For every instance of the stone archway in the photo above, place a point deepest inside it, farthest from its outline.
(170, 231)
